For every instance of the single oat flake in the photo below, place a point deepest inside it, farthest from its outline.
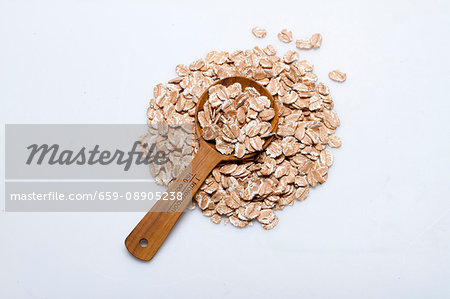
(316, 40)
(304, 44)
(337, 76)
(285, 36)
(308, 43)
(259, 32)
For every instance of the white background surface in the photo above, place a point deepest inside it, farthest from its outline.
(379, 227)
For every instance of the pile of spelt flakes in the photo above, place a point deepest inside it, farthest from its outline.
(297, 159)
(237, 120)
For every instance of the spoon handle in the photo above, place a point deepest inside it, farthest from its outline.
(147, 237)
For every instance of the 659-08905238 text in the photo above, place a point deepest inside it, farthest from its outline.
(97, 195)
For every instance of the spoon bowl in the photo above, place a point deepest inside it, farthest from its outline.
(245, 82)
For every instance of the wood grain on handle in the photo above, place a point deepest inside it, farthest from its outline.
(156, 225)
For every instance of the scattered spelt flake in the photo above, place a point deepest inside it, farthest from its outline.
(285, 36)
(308, 43)
(337, 76)
(304, 44)
(290, 57)
(326, 157)
(316, 40)
(301, 193)
(266, 216)
(334, 141)
(216, 218)
(259, 32)
(238, 222)
(271, 224)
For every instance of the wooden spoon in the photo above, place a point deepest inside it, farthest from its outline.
(147, 237)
